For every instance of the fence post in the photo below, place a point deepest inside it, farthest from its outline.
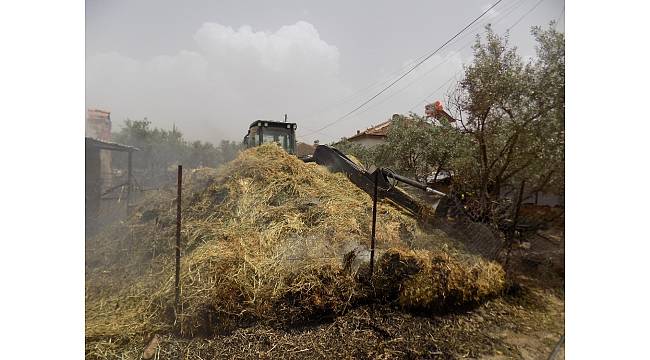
(374, 222)
(129, 182)
(178, 238)
(510, 236)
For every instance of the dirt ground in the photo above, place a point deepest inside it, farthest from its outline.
(526, 323)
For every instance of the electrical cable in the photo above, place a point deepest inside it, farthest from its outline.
(436, 90)
(526, 14)
(509, 9)
(410, 70)
(514, 6)
(507, 30)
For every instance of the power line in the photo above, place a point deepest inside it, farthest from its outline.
(356, 94)
(514, 6)
(410, 70)
(311, 131)
(526, 14)
(436, 90)
(508, 29)
(507, 10)
(403, 89)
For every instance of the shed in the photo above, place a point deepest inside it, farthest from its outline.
(94, 181)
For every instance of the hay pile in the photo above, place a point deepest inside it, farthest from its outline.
(264, 239)
(436, 280)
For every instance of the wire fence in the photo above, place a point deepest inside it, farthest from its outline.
(145, 247)
(147, 250)
(481, 238)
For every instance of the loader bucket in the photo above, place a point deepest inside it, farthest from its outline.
(446, 213)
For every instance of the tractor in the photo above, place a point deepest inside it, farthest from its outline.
(268, 131)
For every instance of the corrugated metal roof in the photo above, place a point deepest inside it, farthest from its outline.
(107, 145)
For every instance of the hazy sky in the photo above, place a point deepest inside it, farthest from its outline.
(213, 67)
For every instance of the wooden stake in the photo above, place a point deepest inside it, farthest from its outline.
(178, 237)
(374, 222)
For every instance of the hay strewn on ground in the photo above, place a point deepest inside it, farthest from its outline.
(264, 240)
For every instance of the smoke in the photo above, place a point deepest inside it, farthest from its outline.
(215, 90)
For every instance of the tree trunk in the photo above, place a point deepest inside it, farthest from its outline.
(485, 176)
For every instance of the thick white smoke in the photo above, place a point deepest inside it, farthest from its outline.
(230, 78)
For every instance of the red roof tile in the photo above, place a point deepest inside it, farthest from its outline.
(377, 130)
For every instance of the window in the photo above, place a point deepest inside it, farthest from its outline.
(280, 136)
(252, 137)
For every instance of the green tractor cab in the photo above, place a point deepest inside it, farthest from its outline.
(266, 131)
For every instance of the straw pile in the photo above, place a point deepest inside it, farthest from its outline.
(436, 280)
(264, 239)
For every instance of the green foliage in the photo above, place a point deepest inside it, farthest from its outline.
(509, 128)
(228, 150)
(513, 116)
(414, 147)
(417, 148)
(365, 154)
(162, 149)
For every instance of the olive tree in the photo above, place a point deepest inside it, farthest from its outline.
(418, 148)
(512, 114)
(366, 155)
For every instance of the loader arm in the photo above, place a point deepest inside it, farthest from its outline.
(336, 161)
(476, 238)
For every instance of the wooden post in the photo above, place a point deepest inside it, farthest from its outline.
(520, 198)
(178, 237)
(374, 222)
(129, 183)
(557, 348)
(510, 236)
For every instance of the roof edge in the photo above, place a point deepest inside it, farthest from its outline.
(107, 145)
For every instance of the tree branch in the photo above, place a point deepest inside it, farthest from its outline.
(509, 155)
(545, 181)
(517, 170)
(508, 146)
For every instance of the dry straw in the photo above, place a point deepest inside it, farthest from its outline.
(264, 239)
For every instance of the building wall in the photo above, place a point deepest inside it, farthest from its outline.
(368, 141)
(98, 126)
(303, 149)
(93, 187)
(541, 198)
(545, 199)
